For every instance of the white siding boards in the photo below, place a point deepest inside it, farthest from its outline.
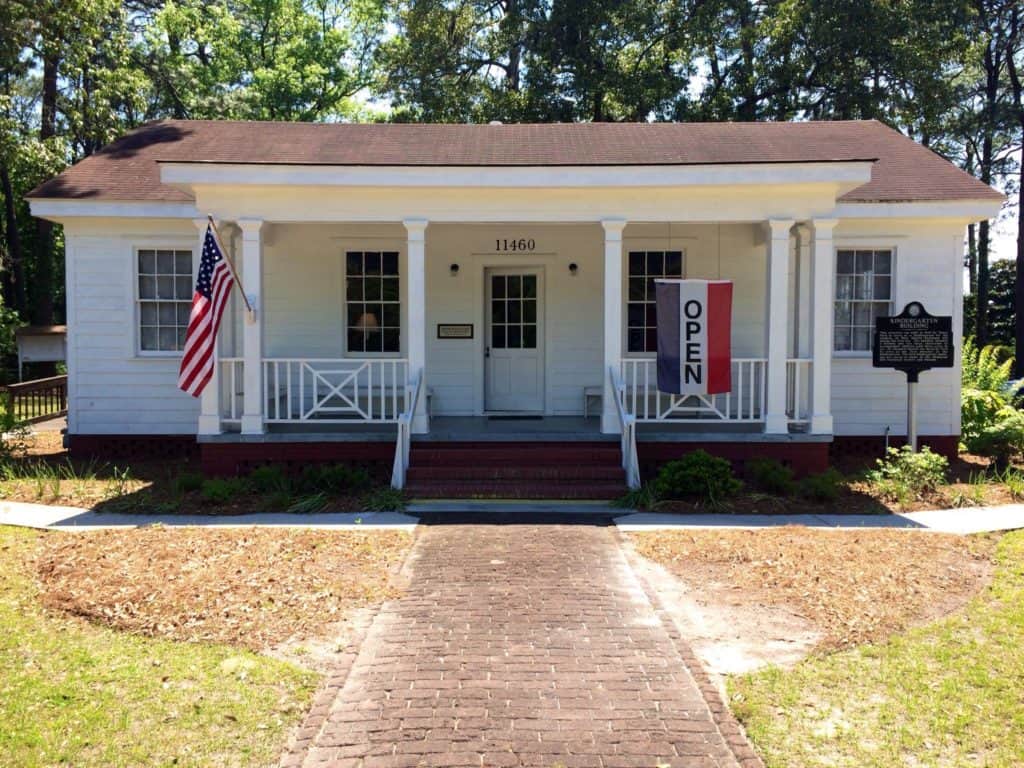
(113, 389)
(116, 390)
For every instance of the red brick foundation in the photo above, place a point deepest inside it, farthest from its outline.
(867, 448)
(804, 458)
(240, 458)
(133, 447)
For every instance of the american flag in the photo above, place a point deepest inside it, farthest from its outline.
(212, 289)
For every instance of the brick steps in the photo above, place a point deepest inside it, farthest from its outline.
(516, 471)
(519, 472)
(516, 490)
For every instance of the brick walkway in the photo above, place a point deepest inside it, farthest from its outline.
(520, 645)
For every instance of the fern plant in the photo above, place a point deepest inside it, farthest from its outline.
(989, 369)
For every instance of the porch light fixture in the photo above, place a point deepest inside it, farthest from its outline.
(574, 268)
(454, 269)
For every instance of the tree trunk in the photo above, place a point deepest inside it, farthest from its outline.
(993, 68)
(981, 309)
(1017, 89)
(514, 22)
(1018, 293)
(42, 299)
(14, 250)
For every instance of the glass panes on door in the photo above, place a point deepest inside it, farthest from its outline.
(514, 311)
(641, 310)
(373, 301)
(165, 298)
(863, 292)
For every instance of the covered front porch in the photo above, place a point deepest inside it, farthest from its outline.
(450, 332)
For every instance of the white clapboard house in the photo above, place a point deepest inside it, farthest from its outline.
(472, 306)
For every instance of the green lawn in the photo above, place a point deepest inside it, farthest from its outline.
(948, 694)
(72, 693)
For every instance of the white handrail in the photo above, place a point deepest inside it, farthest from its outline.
(404, 439)
(627, 425)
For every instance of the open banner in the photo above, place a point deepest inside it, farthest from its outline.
(694, 330)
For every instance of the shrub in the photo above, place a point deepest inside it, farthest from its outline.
(13, 433)
(826, 486)
(384, 500)
(189, 481)
(699, 474)
(990, 425)
(904, 474)
(771, 476)
(335, 478)
(269, 478)
(218, 490)
(1002, 439)
(988, 369)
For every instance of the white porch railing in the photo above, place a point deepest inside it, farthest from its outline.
(744, 403)
(404, 439)
(627, 427)
(231, 391)
(335, 390)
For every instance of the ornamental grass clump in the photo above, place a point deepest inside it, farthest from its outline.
(697, 475)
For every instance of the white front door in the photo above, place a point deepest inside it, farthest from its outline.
(514, 340)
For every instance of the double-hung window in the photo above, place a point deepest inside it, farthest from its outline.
(164, 298)
(373, 302)
(863, 292)
(643, 268)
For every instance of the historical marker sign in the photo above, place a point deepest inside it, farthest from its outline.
(913, 341)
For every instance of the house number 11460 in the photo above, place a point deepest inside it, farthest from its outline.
(522, 244)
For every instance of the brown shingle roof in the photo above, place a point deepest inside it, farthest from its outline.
(128, 168)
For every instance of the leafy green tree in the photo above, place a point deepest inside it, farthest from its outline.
(260, 59)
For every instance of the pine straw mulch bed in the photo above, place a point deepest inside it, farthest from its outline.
(254, 588)
(854, 587)
(858, 496)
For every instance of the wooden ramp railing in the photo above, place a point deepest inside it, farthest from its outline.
(33, 401)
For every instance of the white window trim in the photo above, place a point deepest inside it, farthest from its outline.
(641, 244)
(375, 244)
(857, 354)
(138, 352)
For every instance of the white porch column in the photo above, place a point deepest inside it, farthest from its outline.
(777, 313)
(612, 319)
(417, 310)
(209, 400)
(252, 329)
(823, 279)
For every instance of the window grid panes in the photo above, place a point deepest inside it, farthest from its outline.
(644, 267)
(165, 298)
(373, 301)
(863, 292)
(514, 311)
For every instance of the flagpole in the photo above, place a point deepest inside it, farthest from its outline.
(231, 266)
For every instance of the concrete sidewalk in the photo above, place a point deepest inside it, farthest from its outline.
(962, 521)
(76, 519)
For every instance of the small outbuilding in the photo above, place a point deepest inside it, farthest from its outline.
(40, 344)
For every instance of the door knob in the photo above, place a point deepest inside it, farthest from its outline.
(487, 351)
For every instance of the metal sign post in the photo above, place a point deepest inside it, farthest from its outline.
(912, 413)
(913, 341)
